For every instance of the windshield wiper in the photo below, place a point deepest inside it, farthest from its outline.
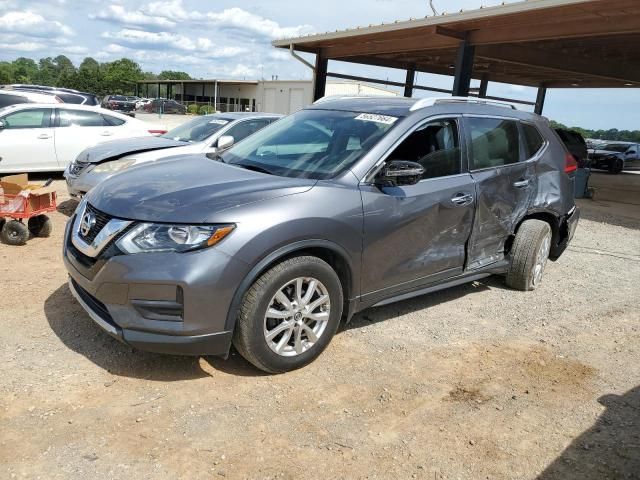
(254, 168)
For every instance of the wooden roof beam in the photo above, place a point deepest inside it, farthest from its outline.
(528, 56)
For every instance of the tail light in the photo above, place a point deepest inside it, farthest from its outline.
(570, 164)
(157, 132)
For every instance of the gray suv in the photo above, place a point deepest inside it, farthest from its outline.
(347, 204)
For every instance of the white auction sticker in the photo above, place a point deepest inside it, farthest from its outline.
(218, 122)
(374, 117)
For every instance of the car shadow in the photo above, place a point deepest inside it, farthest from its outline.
(68, 207)
(77, 331)
(610, 449)
(394, 310)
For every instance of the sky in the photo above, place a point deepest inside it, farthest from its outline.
(232, 39)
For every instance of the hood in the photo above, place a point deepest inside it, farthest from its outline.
(188, 189)
(119, 148)
(157, 154)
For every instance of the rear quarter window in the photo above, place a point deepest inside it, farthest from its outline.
(112, 121)
(532, 139)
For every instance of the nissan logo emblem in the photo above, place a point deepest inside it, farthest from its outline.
(87, 223)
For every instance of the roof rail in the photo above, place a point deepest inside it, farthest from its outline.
(430, 102)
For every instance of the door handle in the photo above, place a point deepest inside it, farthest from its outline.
(44, 136)
(106, 134)
(521, 184)
(462, 199)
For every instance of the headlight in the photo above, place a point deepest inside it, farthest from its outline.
(114, 166)
(153, 237)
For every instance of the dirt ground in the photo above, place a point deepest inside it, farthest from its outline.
(476, 382)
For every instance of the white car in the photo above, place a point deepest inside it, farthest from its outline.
(47, 137)
(207, 134)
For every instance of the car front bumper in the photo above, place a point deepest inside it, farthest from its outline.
(79, 185)
(171, 303)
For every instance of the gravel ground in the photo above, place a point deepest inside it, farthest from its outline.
(470, 383)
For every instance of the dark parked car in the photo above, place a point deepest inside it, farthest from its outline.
(344, 205)
(67, 95)
(576, 145)
(615, 156)
(119, 103)
(165, 106)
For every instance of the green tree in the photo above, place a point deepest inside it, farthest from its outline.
(47, 74)
(25, 70)
(6, 73)
(121, 76)
(173, 75)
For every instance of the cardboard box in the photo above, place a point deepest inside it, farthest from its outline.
(37, 196)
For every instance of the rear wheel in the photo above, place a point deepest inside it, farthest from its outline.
(616, 166)
(40, 226)
(14, 233)
(529, 255)
(289, 315)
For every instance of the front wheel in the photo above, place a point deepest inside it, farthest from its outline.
(529, 255)
(289, 315)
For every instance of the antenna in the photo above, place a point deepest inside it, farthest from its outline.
(433, 8)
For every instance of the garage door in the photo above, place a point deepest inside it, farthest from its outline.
(296, 99)
(270, 100)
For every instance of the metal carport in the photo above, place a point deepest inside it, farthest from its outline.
(538, 43)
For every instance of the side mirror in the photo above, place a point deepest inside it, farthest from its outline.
(400, 172)
(2, 124)
(225, 142)
(212, 154)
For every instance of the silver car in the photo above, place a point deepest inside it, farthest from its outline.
(208, 134)
(343, 205)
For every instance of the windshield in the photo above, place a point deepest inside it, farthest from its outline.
(616, 147)
(316, 144)
(197, 130)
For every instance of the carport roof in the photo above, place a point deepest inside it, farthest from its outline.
(556, 43)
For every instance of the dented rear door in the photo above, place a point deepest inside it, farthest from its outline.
(504, 184)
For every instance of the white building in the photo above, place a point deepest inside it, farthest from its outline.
(274, 96)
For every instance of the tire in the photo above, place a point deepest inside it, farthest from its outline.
(14, 233)
(40, 226)
(296, 349)
(529, 255)
(616, 166)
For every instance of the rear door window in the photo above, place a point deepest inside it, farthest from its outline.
(495, 142)
(532, 139)
(81, 118)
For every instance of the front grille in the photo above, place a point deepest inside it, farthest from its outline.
(77, 168)
(94, 304)
(101, 220)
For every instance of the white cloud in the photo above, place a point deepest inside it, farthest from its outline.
(163, 40)
(170, 9)
(22, 46)
(32, 24)
(239, 19)
(119, 14)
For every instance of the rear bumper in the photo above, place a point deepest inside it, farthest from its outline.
(568, 227)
